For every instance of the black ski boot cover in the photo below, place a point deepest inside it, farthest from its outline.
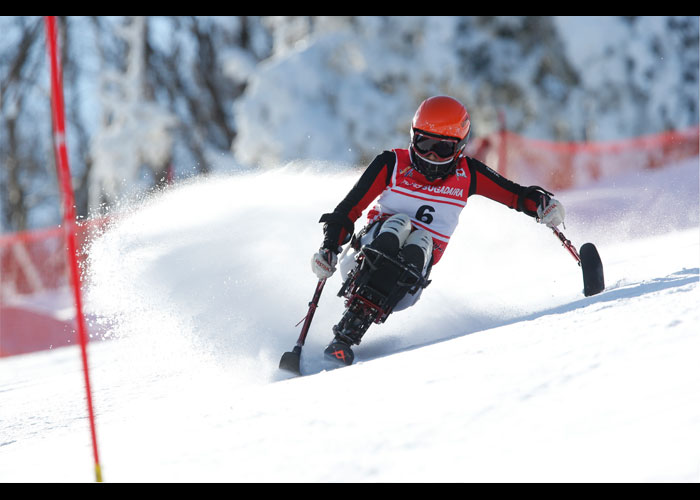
(339, 353)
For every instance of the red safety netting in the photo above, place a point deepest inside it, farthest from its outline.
(564, 165)
(37, 310)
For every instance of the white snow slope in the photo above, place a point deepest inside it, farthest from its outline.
(503, 371)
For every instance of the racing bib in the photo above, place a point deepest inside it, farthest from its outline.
(433, 206)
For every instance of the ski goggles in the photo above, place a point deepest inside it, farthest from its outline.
(445, 148)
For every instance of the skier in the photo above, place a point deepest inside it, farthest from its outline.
(420, 192)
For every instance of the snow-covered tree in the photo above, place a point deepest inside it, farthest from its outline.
(205, 93)
(136, 131)
(344, 89)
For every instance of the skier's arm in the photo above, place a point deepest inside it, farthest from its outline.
(486, 182)
(340, 224)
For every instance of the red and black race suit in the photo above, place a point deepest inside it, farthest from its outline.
(433, 206)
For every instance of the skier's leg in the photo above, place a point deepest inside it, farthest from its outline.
(390, 238)
(417, 249)
(387, 237)
(414, 249)
(417, 252)
(381, 235)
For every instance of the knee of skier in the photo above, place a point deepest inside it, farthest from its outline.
(390, 235)
(418, 247)
(398, 225)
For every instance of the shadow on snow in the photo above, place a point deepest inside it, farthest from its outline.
(674, 280)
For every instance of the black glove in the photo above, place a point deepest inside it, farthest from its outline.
(337, 231)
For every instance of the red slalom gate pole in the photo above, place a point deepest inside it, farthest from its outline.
(69, 216)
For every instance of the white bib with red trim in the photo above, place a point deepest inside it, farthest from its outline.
(433, 206)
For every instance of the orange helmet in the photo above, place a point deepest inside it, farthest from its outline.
(439, 133)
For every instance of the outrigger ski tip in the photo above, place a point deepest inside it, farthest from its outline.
(592, 268)
(291, 361)
(589, 261)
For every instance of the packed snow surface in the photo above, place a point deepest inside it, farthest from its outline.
(503, 371)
